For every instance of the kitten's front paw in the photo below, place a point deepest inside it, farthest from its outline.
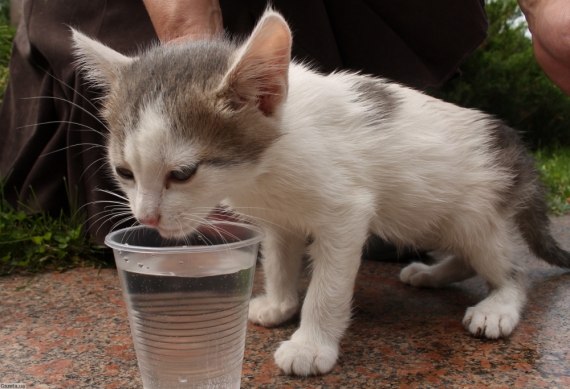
(417, 274)
(266, 313)
(491, 322)
(304, 359)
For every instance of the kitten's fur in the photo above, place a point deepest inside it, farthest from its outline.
(331, 157)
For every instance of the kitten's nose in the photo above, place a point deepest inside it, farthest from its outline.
(150, 220)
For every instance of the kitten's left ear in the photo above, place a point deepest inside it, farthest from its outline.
(259, 73)
(102, 65)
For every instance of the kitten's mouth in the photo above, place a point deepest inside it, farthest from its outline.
(171, 234)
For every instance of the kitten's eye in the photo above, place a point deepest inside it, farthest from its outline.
(125, 173)
(184, 173)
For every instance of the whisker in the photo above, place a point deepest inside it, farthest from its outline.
(116, 224)
(186, 238)
(94, 145)
(215, 228)
(106, 218)
(130, 233)
(112, 193)
(73, 89)
(97, 202)
(116, 208)
(186, 218)
(203, 221)
(70, 102)
(91, 164)
(249, 217)
(89, 128)
(110, 213)
(99, 168)
(277, 236)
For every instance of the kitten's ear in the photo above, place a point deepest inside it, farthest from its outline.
(259, 73)
(101, 64)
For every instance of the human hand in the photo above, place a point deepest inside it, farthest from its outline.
(549, 23)
(177, 21)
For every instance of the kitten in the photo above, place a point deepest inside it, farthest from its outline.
(333, 158)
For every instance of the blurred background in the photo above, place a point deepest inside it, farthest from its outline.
(501, 77)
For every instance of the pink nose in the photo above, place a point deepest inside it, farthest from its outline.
(150, 220)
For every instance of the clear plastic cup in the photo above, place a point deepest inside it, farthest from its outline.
(187, 302)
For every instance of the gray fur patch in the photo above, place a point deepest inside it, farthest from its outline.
(511, 156)
(186, 79)
(375, 91)
(168, 72)
(516, 275)
(525, 194)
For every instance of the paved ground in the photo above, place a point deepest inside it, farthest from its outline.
(71, 330)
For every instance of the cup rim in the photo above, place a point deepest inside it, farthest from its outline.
(109, 242)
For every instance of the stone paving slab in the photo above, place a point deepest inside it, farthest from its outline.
(70, 330)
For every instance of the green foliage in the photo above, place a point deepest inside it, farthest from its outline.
(503, 78)
(554, 165)
(7, 34)
(5, 12)
(32, 241)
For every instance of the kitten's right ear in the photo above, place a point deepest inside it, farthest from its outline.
(101, 64)
(259, 73)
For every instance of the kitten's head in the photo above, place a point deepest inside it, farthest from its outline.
(189, 124)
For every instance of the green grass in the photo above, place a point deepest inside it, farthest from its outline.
(554, 164)
(32, 241)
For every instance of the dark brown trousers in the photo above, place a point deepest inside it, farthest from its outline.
(52, 140)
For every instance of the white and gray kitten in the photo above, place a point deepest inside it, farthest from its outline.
(333, 158)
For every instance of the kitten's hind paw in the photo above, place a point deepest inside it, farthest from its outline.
(264, 312)
(491, 322)
(303, 359)
(417, 274)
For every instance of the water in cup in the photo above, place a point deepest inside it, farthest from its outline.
(187, 310)
(179, 322)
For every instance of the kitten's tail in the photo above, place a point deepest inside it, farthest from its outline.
(527, 194)
(534, 225)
